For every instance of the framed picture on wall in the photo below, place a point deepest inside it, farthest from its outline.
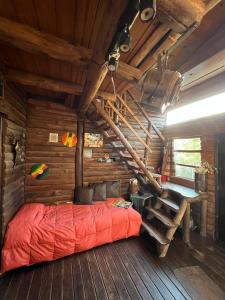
(93, 140)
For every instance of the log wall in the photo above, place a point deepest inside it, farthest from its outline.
(12, 184)
(94, 170)
(44, 118)
(207, 129)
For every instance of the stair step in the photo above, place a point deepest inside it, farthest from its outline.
(155, 233)
(126, 156)
(133, 166)
(161, 216)
(119, 148)
(113, 138)
(169, 203)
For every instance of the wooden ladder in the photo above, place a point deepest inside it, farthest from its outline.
(162, 220)
(107, 110)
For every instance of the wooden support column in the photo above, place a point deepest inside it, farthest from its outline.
(95, 76)
(148, 142)
(79, 157)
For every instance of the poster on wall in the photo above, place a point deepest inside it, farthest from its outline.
(39, 171)
(69, 139)
(93, 140)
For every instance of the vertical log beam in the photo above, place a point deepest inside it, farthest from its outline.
(95, 76)
(79, 157)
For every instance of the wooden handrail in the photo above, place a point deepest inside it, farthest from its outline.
(149, 120)
(129, 126)
(128, 146)
(133, 115)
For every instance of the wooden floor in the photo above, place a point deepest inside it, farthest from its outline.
(126, 269)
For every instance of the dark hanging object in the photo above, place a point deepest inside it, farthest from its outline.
(147, 10)
(18, 149)
(125, 40)
(113, 64)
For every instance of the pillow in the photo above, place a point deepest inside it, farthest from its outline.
(85, 195)
(113, 189)
(99, 191)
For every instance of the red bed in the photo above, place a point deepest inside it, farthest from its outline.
(43, 233)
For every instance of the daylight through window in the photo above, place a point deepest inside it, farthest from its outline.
(187, 155)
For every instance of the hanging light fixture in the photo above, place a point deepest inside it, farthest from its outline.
(147, 10)
(113, 64)
(125, 40)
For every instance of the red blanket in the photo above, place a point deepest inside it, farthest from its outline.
(42, 233)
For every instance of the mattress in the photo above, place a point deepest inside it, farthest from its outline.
(41, 233)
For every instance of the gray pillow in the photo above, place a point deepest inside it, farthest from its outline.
(85, 195)
(113, 189)
(99, 191)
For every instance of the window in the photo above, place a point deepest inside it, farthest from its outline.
(187, 155)
(207, 107)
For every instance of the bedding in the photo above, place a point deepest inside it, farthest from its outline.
(41, 233)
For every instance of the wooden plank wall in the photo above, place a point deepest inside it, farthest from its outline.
(12, 179)
(45, 117)
(207, 129)
(95, 171)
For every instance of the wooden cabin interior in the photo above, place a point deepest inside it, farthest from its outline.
(112, 161)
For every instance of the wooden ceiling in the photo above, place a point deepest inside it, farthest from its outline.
(91, 24)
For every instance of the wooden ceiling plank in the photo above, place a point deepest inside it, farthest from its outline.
(33, 80)
(149, 44)
(28, 38)
(96, 70)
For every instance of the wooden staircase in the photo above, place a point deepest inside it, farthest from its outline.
(168, 212)
(107, 112)
(162, 220)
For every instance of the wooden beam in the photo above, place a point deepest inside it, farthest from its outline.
(123, 119)
(95, 77)
(32, 40)
(79, 157)
(33, 80)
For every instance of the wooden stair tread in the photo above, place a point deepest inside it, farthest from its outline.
(126, 156)
(161, 216)
(155, 233)
(169, 203)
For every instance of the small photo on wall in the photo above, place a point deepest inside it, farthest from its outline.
(93, 140)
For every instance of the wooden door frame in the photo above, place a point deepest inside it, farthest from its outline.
(1, 174)
(217, 189)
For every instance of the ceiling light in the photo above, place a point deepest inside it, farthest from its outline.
(147, 10)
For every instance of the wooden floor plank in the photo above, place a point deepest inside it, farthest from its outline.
(96, 276)
(46, 282)
(57, 281)
(127, 269)
(68, 291)
(130, 285)
(132, 256)
(108, 280)
(120, 286)
(89, 289)
(77, 279)
(143, 291)
(25, 285)
(36, 283)
(14, 285)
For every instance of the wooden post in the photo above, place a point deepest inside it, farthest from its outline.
(203, 217)
(1, 179)
(148, 142)
(79, 157)
(186, 225)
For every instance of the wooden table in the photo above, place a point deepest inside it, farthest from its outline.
(191, 197)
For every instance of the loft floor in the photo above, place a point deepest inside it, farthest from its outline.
(127, 269)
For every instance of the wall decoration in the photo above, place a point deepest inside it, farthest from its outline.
(106, 158)
(69, 139)
(93, 140)
(87, 153)
(18, 148)
(53, 137)
(39, 171)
